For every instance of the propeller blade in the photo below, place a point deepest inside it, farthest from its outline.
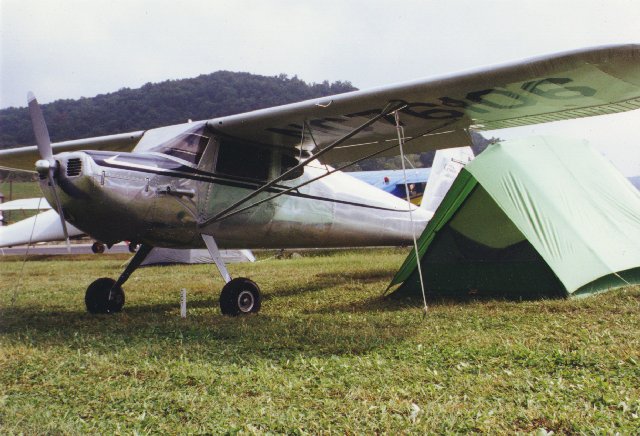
(59, 210)
(40, 128)
(46, 153)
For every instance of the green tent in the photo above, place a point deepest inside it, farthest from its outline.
(543, 216)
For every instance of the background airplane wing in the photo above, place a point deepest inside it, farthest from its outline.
(24, 158)
(26, 204)
(439, 110)
(43, 227)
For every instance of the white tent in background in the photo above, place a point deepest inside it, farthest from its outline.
(170, 256)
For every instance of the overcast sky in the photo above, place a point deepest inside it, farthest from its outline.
(72, 48)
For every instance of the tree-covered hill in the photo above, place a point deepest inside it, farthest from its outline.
(158, 104)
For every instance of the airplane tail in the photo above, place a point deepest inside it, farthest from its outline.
(447, 164)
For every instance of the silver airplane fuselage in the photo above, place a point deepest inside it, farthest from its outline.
(165, 201)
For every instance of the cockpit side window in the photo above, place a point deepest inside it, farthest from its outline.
(288, 162)
(242, 159)
(188, 146)
(254, 161)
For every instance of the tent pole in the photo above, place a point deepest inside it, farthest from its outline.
(400, 131)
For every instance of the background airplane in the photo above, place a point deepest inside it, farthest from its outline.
(393, 181)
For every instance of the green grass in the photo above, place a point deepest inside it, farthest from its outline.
(326, 353)
(20, 190)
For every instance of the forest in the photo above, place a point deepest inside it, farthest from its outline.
(160, 104)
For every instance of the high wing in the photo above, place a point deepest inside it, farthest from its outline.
(440, 110)
(435, 113)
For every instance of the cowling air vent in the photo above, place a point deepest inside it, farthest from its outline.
(74, 167)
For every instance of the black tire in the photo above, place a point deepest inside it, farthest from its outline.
(240, 296)
(97, 247)
(97, 297)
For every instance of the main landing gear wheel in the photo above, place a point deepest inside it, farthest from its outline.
(239, 297)
(97, 296)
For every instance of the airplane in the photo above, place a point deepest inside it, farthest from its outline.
(263, 179)
(393, 181)
(426, 186)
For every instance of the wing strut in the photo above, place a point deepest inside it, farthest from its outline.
(293, 188)
(328, 173)
(389, 109)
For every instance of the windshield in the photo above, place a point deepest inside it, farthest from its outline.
(188, 146)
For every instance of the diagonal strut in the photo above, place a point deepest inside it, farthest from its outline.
(391, 107)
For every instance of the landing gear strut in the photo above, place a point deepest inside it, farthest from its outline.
(239, 296)
(105, 295)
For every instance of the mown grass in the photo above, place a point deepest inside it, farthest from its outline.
(20, 190)
(326, 353)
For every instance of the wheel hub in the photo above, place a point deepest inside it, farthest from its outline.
(245, 301)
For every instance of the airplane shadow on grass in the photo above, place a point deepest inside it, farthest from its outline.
(323, 281)
(390, 302)
(327, 330)
(158, 329)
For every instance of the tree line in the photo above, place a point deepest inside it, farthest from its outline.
(175, 101)
(160, 104)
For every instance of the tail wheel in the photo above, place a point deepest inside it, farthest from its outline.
(240, 296)
(97, 296)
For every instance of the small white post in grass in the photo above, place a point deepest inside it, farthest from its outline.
(183, 303)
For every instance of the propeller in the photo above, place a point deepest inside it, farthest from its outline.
(47, 164)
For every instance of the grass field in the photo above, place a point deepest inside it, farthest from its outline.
(20, 190)
(325, 354)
